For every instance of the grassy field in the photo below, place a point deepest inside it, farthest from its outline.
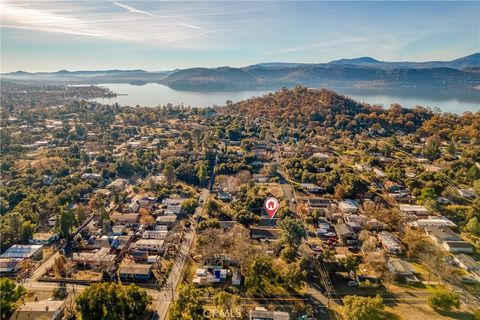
(406, 311)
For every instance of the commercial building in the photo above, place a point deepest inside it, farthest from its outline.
(33, 251)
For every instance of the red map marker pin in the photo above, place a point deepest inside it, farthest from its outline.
(271, 206)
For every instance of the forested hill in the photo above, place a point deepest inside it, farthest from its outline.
(365, 72)
(305, 108)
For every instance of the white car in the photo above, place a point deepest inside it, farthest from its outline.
(352, 283)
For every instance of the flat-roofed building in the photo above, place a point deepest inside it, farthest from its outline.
(100, 258)
(466, 262)
(135, 271)
(125, 218)
(433, 221)
(451, 241)
(43, 238)
(151, 245)
(166, 220)
(402, 269)
(414, 209)
(348, 206)
(154, 234)
(32, 251)
(390, 242)
(41, 310)
(260, 313)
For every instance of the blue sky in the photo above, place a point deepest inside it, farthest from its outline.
(164, 35)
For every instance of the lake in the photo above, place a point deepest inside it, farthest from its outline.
(154, 94)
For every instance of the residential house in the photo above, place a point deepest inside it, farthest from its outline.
(172, 201)
(261, 233)
(125, 218)
(91, 176)
(448, 239)
(379, 173)
(118, 230)
(44, 310)
(135, 272)
(224, 196)
(151, 245)
(311, 187)
(348, 206)
(97, 259)
(99, 165)
(103, 192)
(362, 167)
(43, 238)
(467, 193)
(260, 313)
(260, 178)
(154, 234)
(433, 221)
(141, 200)
(321, 155)
(175, 209)
(9, 265)
(109, 242)
(318, 203)
(390, 242)
(118, 185)
(393, 187)
(344, 233)
(402, 269)
(165, 220)
(466, 262)
(414, 210)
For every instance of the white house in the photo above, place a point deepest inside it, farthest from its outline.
(154, 234)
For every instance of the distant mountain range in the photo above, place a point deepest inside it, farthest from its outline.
(462, 73)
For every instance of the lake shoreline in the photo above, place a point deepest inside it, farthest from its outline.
(155, 94)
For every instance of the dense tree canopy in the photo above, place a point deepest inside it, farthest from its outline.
(111, 301)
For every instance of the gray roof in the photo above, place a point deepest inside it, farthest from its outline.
(21, 251)
(343, 230)
(268, 315)
(400, 267)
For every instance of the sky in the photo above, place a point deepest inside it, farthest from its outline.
(47, 35)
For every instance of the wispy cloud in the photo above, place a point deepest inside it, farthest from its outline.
(132, 9)
(191, 26)
(317, 45)
(100, 20)
(41, 20)
(352, 43)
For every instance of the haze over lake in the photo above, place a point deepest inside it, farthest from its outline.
(154, 94)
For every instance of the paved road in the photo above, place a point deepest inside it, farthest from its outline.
(167, 294)
(40, 271)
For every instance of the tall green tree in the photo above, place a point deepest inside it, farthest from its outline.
(363, 308)
(169, 173)
(112, 301)
(10, 293)
(188, 306)
(202, 174)
(442, 299)
(189, 205)
(292, 231)
(259, 275)
(473, 226)
(67, 221)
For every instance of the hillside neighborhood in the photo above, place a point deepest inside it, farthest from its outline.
(377, 207)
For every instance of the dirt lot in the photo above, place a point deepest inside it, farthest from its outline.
(407, 311)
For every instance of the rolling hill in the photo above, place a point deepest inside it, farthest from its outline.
(359, 72)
